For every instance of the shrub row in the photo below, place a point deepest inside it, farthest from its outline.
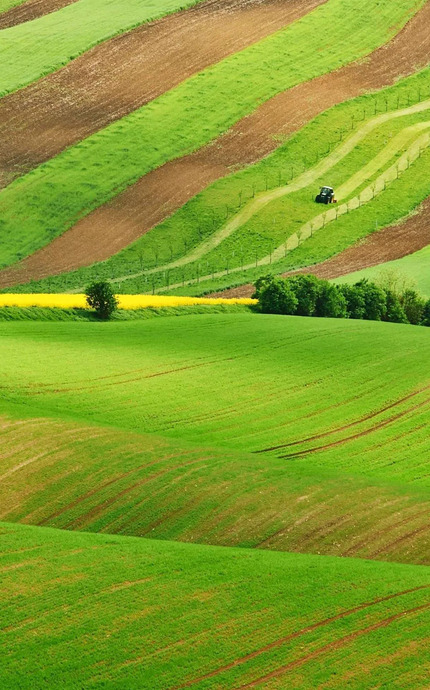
(306, 295)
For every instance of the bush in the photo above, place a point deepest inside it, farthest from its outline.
(425, 320)
(100, 297)
(355, 304)
(375, 300)
(330, 303)
(277, 297)
(306, 289)
(306, 295)
(413, 306)
(394, 311)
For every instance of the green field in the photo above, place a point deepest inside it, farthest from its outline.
(291, 409)
(212, 497)
(207, 235)
(45, 202)
(92, 610)
(33, 49)
(414, 269)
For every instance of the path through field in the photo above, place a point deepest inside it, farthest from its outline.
(157, 195)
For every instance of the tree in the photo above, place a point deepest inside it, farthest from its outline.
(306, 289)
(425, 320)
(260, 284)
(394, 311)
(330, 302)
(276, 297)
(355, 304)
(413, 306)
(100, 297)
(375, 300)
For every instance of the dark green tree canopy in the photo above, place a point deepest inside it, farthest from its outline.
(101, 298)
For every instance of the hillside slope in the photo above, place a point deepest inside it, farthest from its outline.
(264, 431)
(96, 605)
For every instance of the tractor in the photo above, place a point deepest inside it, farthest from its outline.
(326, 196)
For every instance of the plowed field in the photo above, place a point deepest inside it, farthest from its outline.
(122, 74)
(158, 194)
(30, 10)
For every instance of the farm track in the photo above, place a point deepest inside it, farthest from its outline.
(126, 72)
(32, 9)
(158, 194)
(345, 427)
(388, 244)
(327, 621)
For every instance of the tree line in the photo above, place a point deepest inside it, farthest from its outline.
(307, 295)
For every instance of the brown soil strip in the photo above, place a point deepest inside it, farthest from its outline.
(337, 644)
(32, 9)
(158, 194)
(126, 72)
(337, 430)
(388, 244)
(299, 633)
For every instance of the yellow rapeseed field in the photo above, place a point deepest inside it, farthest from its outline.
(65, 301)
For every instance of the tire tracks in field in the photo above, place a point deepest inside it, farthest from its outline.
(32, 9)
(337, 644)
(307, 230)
(353, 437)
(161, 192)
(345, 427)
(310, 628)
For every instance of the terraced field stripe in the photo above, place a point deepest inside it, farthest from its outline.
(388, 244)
(33, 49)
(30, 9)
(128, 71)
(312, 175)
(85, 176)
(319, 222)
(156, 196)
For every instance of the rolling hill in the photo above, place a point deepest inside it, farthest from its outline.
(200, 495)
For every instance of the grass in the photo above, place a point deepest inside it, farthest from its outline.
(203, 218)
(91, 609)
(76, 314)
(414, 268)
(31, 50)
(6, 5)
(54, 196)
(222, 428)
(98, 479)
(68, 368)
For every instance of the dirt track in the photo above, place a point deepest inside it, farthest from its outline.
(160, 193)
(124, 73)
(32, 9)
